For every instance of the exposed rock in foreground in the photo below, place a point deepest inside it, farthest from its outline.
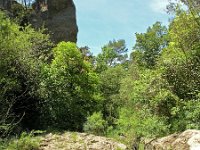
(188, 140)
(79, 141)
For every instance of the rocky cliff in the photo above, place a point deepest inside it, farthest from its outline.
(59, 17)
(62, 20)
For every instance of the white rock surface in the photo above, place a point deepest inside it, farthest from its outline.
(79, 141)
(187, 140)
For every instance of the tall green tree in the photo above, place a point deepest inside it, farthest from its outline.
(184, 53)
(113, 53)
(110, 87)
(70, 88)
(151, 43)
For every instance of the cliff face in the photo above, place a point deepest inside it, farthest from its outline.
(58, 16)
(1, 4)
(61, 20)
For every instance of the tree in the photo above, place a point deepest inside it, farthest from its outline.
(110, 88)
(69, 87)
(182, 70)
(115, 52)
(21, 59)
(151, 43)
(87, 55)
(193, 7)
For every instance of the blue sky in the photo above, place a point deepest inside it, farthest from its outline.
(100, 21)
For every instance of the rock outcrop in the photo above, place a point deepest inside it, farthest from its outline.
(62, 20)
(59, 17)
(1, 4)
(79, 141)
(188, 140)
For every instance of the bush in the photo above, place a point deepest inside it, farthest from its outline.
(25, 142)
(95, 124)
(21, 57)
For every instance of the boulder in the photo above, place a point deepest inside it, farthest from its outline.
(79, 141)
(187, 140)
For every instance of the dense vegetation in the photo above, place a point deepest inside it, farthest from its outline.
(62, 87)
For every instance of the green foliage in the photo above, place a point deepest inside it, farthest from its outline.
(96, 124)
(110, 86)
(192, 114)
(25, 142)
(161, 97)
(184, 79)
(137, 93)
(133, 125)
(21, 59)
(183, 32)
(69, 86)
(140, 123)
(151, 43)
(193, 7)
(182, 70)
(111, 65)
(112, 54)
(153, 94)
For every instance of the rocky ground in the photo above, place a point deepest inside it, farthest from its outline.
(78, 141)
(187, 140)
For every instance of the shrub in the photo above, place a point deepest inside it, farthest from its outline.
(95, 124)
(25, 142)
